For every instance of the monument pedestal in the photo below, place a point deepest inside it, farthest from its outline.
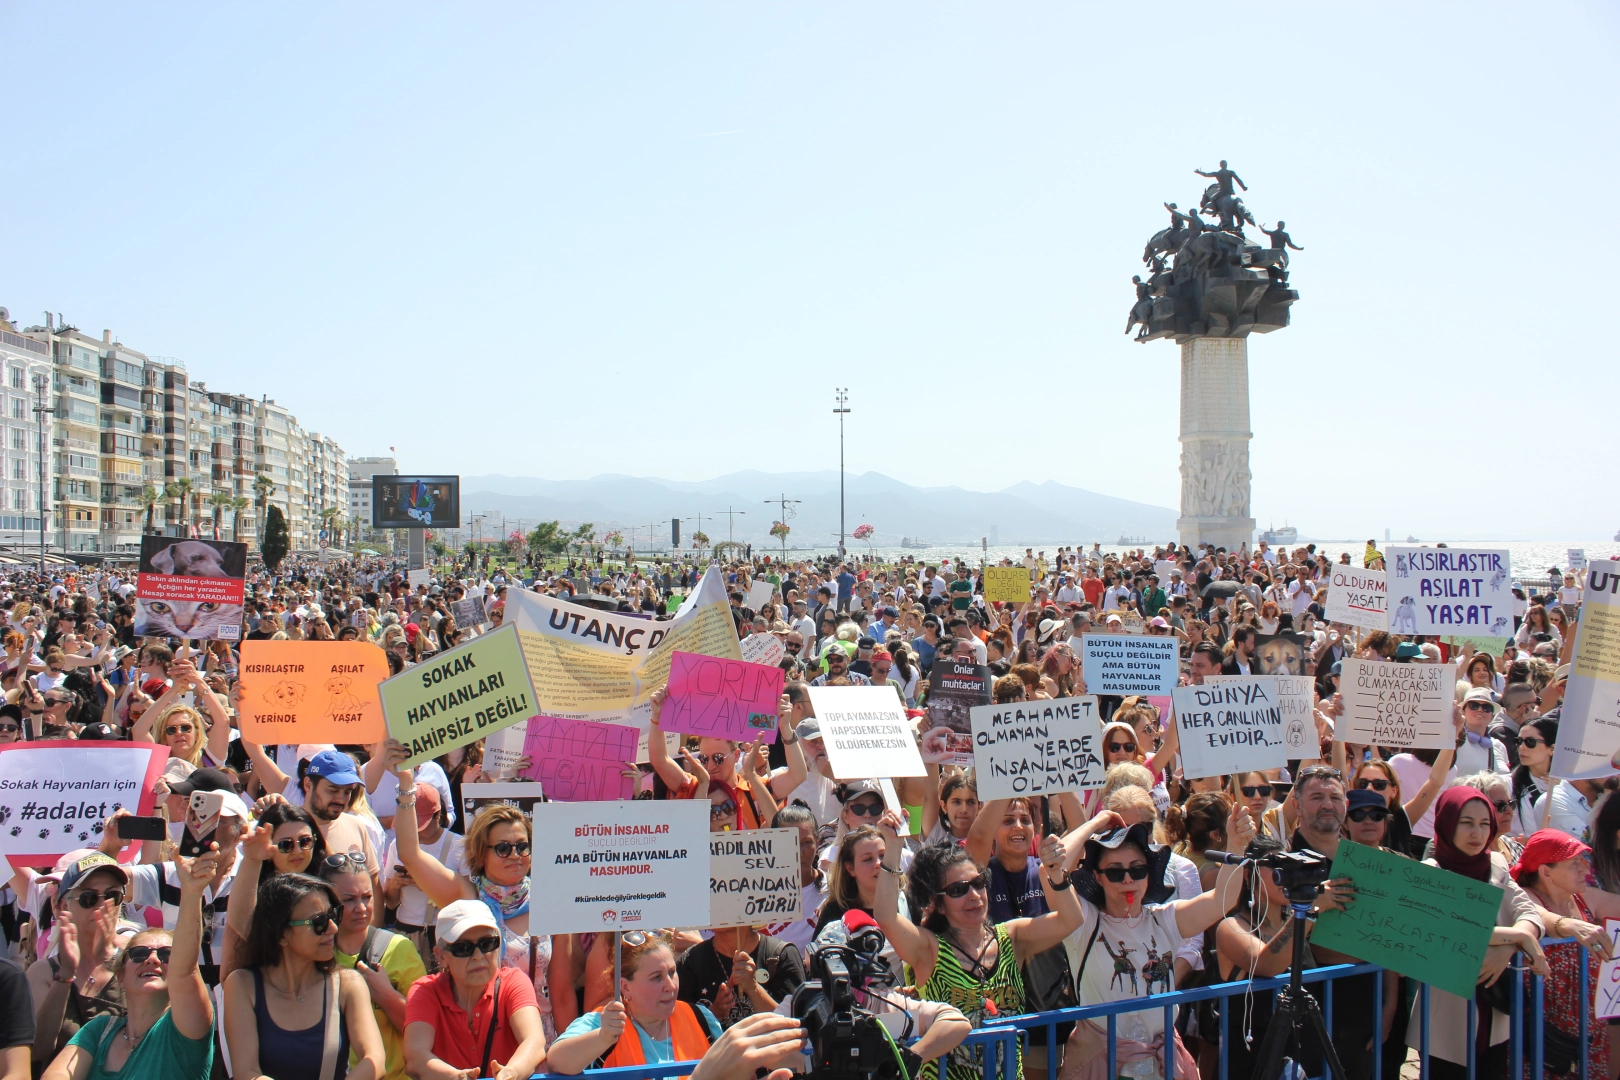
(1215, 443)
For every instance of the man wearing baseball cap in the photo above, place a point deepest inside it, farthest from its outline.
(472, 1015)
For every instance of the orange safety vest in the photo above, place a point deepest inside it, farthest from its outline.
(689, 1039)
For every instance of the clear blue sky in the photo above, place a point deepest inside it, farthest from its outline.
(560, 240)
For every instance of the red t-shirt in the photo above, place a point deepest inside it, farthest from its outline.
(1093, 588)
(433, 1001)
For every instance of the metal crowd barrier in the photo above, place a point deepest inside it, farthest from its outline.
(1000, 1040)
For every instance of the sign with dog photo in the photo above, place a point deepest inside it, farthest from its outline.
(190, 589)
(311, 692)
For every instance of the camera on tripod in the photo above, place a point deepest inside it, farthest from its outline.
(1299, 874)
(847, 1042)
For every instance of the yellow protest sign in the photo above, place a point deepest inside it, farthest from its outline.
(460, 696)
(1006, 583)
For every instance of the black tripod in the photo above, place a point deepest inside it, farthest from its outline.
(1296, 1010)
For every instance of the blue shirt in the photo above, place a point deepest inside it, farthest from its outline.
(846, 585)
(653, 1052)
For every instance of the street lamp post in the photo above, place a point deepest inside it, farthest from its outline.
(842, 410)
(40, 410)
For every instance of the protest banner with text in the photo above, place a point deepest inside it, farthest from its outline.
(312, 692)
(865, 732)
(413, 578)
(1296, 703)
(460, 696)
(190, 589)
(1230, 727)
(469, 612)
(56, 796)
(582, 760)
(1589, 732)
(1129, 664)
(1037, 747)
(524, 795)
(954, 690)
(1449, 591)
(763, 649)
(1608, 980)
(718, 698)
(1006, 584)
(1358, 597)
(1389, 704)
(754, 878)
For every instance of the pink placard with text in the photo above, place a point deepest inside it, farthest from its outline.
(719, 698)
(580, 760)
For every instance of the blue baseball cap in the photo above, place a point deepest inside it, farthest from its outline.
(1365, 797)
(335, 767)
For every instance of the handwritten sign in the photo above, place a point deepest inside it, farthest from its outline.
(1589, 734)
(1296, 702)
(1388, 704)
(460, 696)
(754, 878)
(1419, 920)
(56, 796)
(865, 731)
(1608, 984)
(1358, 597)
(1233, 726)
(1129, 664)
(1037, 747)
(1450, 591)
(719, 698)
(1575, 559)
(312, 692)
(580, 760)
(763, 649)
(1006, 584)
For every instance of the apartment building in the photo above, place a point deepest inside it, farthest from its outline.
(26, 365)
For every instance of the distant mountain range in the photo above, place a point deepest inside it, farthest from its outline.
(1049, 513)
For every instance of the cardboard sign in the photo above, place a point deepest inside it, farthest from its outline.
(763, 649)
(56, 796)
(623, 865)
(1450, 591)
(523, 794)
(719, 698)
(1129, 664)
(759, 594)
(955, 689)
(312, 692)
(1037, 747)
(1589, 733)
(1575, 559)
(1608, 979)
(413, 578)
(754, 878)
(1358, 597)
(1388, 704)
(1296, 702)
(865, 731)
(1006, 584)
(1415, 919)
(469, 612)
(460, 696)
(581, 760)
(1231, 727)
(190, 589)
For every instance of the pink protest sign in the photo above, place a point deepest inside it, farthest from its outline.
(722, 699)
(581, 761)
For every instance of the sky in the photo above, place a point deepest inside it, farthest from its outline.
(565, 240)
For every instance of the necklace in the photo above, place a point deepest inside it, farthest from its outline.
(285, 993)
(136, 1041)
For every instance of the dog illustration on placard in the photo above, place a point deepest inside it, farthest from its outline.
(284, 694)
(342, 705)
(190, 558)
(1404, 621)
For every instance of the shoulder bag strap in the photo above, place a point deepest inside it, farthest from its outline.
(1080, 974)
(494, 1022)
(334, 1029)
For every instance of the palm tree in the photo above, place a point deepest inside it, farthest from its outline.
(181, 490)
(149, 499)
(219, 500)
(239, 503)
(263, 488)
(330, 516)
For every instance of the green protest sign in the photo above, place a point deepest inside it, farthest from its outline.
(460, 696)
(673, 604)
(1419, 920)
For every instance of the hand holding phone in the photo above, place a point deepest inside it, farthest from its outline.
(131, 827)
(202, 818)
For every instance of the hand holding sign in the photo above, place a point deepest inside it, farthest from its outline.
(719, 698)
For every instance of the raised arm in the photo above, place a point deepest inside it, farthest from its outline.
(673, 776)
(1165, 757)
(440, 884)
(189, 1002)
(916, 946)
(981, 837)
(1031, 936)
(752, 760)
(1196, 916)
(784, 781)
(1432, 786)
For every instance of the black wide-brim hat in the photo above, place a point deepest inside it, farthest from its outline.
(1156, 889)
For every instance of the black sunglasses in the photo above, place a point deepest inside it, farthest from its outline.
(463, 949)
(321, 922)
(865, 809)
(1374, 814)
(302, 843)
(958, 889)
(89, 898)
(1257, 789)
(506, 848)
(1376, 785)
(1122, 748)
(343, 861)
(722, 810)
(139, 954)
(1117, 874)
(1524, 740)
(1503, 806)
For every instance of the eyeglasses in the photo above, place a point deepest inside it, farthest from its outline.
(1524, 740)
(1317, 772)
(1503, 806)
(1117, 874)
(722, 810)
(1256, 790)
(463, 949)
(89, 898)
(342, 862)
(1374, 814)
(9, 729)
(1376, 785)
(1122, 748)
(1480, 706)
(506, 848)
(865, 809)
(140, 954)
(637, 938)
(179, 729)
(793, 646)
(302, 843)
(958, 889)
(320, 923)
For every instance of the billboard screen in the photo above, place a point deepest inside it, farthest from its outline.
(415, 502)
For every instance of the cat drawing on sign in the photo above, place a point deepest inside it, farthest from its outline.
(284, 694)
(1404, 620)
(185, 618)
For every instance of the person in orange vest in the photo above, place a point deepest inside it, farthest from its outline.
(649, 1025)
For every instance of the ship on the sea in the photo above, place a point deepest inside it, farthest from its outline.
(1285, 535)
(1132, 541)
(912, 543)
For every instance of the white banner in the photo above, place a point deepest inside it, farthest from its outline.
(413, 578)
(1589, 728)
(1358, 597)
(865, 731)
(622, 865)
(1037, 747)
(1129, 664)
(1450, 591)
(1389, 704)
(759, 594)
(754, 878)
(1575, 559)
(1234, 726)
(56, 796)
(764, 649)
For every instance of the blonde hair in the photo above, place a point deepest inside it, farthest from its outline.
(1126, 774)
(478, 844)
(1140, 800)
(200, 743)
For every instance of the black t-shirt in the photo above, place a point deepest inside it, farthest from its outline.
(1016, 894)
(16, 1008)
(702, 971)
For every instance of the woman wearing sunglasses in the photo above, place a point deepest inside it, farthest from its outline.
(79, 982)
(1408, 817)
(181, 727)
(290, 1013)
(1532, 778)
(287, 841)
(167, 1028)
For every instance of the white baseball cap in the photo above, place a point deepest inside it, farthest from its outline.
(462, 916)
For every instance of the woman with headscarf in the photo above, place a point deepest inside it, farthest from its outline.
(1465, 831)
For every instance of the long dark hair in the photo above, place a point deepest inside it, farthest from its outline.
(1547, 728)
(1605, 853)
(926, 881)
(282, 813)
(277, 898)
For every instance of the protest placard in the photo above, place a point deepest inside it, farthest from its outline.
(581, 760)
(1162, 568)
(1415, 919)
(719, 698)
(1358, 597)
(1608, 980)
(311, 692)
(1006, 584)
(1450, 591)
(1575, 559)
(190, 589)
(1296, 703)
(413, 578)
(523, 794)
(1129, 664)
(754, 878)
(1037, 747)
(623, 865)
(763, 649)
(954, 689)
(1388, 704)
(865, 732)
(1589, 731)
(602, 665)
(469, 612)
(460, 696)
(1230, 727)
(56, 796)
(759, 594)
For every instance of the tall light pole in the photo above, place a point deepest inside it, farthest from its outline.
(39, 421)
(731, 523)
(842, 397)
(786, 513)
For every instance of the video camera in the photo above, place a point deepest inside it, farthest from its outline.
(1299, 874)
(847, 1042)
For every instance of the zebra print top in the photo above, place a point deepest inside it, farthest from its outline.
(1002, 986)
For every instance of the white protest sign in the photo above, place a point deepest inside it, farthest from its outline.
(622, 865)
(1608, 983)
(1575, 559)
(1450, 591)
(413, 578)
(1589, 731)
(1026, 748)
(1389, 704)
(754, 878)
(1129, 664)
(1163, 567)
(1296, 702)
(865, 731)
(1358, 597)
(56, 796)
(764, 649)
(1231, 727)
(759, 594)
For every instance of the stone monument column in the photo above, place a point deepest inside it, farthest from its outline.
(1215, 443)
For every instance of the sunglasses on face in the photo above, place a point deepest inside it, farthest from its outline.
(140, 954)
(866, 809)
(178, 729)
(1256, 790)
(1524, 740)
(1374, 814)
(1117, 874)
(9, 729)
(89, 898)
(958, 889)
(506, 848)
(722, 810)
(1503, 806)
(463, 949)
(1376, 785)
(302, 843)
(1122, 748)
(320, 923)
(1480, 706)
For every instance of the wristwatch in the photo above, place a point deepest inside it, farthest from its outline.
(1068, 879)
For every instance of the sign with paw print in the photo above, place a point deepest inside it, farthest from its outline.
(56, 796)
(311, 692)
